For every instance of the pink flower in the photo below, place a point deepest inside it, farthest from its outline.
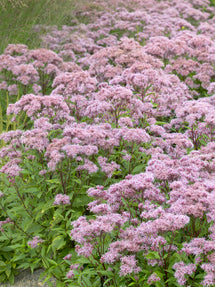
(88, 165)
(43, 171)
(127, 156)
(67, 257)
(3, 222)
(182, 270)
(70, 274)
(153, 278)
(12, 89)
(35, 242)
(35, 139)
(107, 168)
(36, 88)
(44, 56)
(129, 265)
(134, 135)
(110, 256)
(86, 250)
(61, 199)
(74, 266)
(12, 168)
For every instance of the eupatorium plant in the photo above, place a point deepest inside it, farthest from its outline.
(108, 179)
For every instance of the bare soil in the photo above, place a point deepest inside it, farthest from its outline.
(27, 279)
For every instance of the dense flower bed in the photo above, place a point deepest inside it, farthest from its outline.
(116, 137)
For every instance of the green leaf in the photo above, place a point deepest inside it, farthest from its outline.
(2, 264)
(3, 238)
(41, 209)
(7, 248)
(58, 243)
(143, 278)
(138, 169)
(52, 262)
(8, 270)
(3, 277)
(152, 255)
(160, 123)
(159, 274)
(106, 273)
(11, 278)
(20, 257)
(36, 264)
(43, 274)
(159, 284)
(34, 228)
(53, 181)
(31, 190)
(98, 178)
(106, 281)
(132, 284)
(24, 265)
(173, 280)
(60, 284)
(175, 258)
(83, 260)
(47, 278)
(77, 180)
(200, 276)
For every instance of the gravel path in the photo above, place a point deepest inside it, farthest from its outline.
(27, 279)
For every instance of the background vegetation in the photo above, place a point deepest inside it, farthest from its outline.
(38, 206)
(18, 17)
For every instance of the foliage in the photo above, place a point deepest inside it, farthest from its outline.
(107, 145)
(19, 19)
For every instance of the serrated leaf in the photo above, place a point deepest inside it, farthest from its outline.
(200, 276)
(3, 238)
(7, 248)
(82, 260)
(87, 278)
(52, 262)
(34, 228)
(152, 255)
(58, 242)
(17, 258)
(138, 169)
(53, 181)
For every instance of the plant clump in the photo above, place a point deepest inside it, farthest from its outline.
(107, 149)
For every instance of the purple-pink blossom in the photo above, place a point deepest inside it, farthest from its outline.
(61, 199)
(34, 243)
(122, 106)
(129, 265)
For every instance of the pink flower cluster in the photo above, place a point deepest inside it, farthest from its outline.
(153, 278)
(3, 222)
(182, 270)
(33, 243)
(61, 199)
(129, 99)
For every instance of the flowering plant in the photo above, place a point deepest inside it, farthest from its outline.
(108, 177)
